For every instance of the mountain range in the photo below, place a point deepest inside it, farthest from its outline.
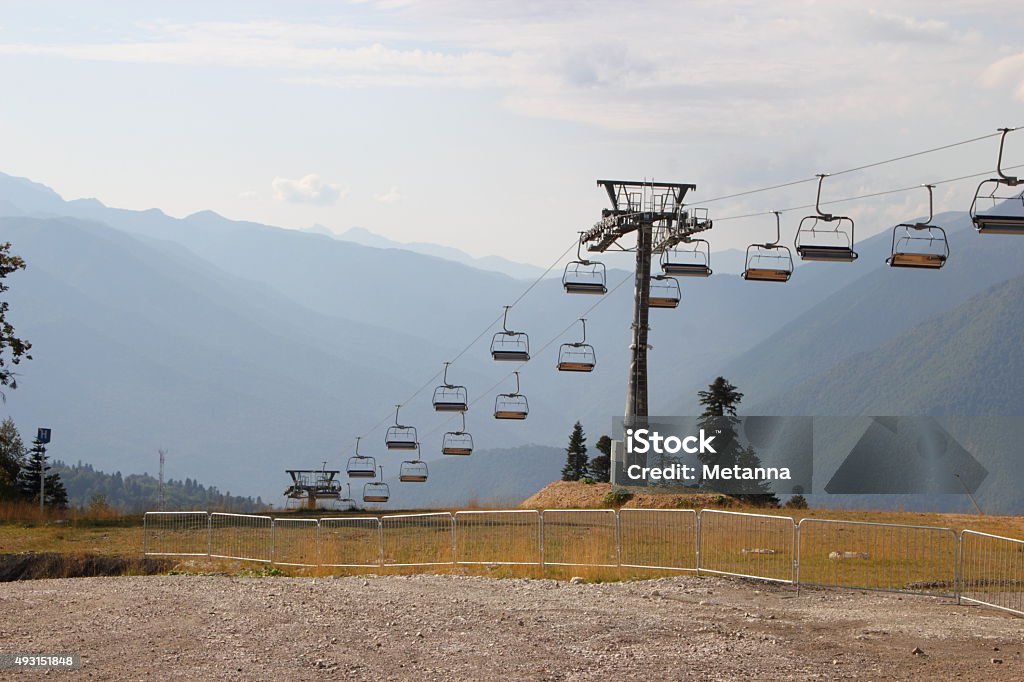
(245, 349)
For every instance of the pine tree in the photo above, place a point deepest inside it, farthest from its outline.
(601, 466)
(12, 458)
(576, 455)
(719, 417)
(28, 481)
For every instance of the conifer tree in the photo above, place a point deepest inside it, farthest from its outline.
(576, 455)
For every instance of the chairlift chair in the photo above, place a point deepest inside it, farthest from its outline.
(825, 237)
(664, 292)
(413, 471)
(584, 276)
(377, 491)
(361, 466)
(457, 442)
(508, 345)
(348, 496)
(688, 262)
(578, 356)
(511, 405)
(449, 397)
(919, 245)
(771, 261)
(399, 436)
(999, 219)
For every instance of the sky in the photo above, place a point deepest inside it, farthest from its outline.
(484, 125)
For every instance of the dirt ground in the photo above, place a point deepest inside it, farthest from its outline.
(469, 628)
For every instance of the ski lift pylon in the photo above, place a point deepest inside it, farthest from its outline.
(361, 466)
(664, 292)
(919, 245)
(449, 397)
(511, 405)
(508, 345)
(1000, 219)
(578, 356)
(771, 261)
(584, 276)
(399, 436)
(457, 442)
(833, 242)
(377, 491)
(688, 262)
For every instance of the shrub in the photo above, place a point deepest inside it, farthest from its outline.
(796, 502)
(617, 498)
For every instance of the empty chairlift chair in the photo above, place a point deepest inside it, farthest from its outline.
(413, 471)
(919, 245)
(692, 258)
(1006, 215)
(361, 466)
(511, 405)
(377, 491)
(769, 262)
(459, 443)
(578, 356)
(399, 436)
(584, 276)
(449, 397)
(664, 292)
(825, 237)
(508, 345)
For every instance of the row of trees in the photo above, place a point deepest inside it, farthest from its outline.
(21, 470)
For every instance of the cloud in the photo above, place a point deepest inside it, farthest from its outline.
(390, 197)
(1008, 71)
(309, 189)
(248, 194)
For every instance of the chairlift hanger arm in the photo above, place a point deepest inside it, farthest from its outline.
(1006, 179)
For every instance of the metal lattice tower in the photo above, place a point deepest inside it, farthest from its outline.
(655, 212)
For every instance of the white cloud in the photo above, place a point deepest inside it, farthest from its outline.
(390, 197)
(248, 194)
(1008, 71)
(309, 189)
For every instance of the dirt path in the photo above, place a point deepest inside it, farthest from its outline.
(462, 628)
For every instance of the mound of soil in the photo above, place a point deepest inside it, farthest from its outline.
(35, 565)
(579, 495)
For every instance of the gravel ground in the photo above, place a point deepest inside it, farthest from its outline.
(465, 628)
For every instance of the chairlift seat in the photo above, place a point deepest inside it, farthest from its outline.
(998, 224)
(585, 288)
(510, 414)
(663, 302)
(575, 366)
(832, 254)
(510, 355)
(767, 274)
(930, 261)
(686, 269)
(456, 450)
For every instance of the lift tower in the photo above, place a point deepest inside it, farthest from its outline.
(655, 212)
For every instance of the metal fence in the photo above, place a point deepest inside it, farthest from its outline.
(992, 571)
(747, 545)
(878, 556)
(971, 566)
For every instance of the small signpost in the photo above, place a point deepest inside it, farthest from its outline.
(42, 437)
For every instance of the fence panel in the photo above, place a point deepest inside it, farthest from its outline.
(747, 545)
(498, 537)
(295, 542)
(580, 537)
(418, 539)
(992, 571)
(176, 533)
(877, 556)
(241, 536)
(658, 538)
(350, 542)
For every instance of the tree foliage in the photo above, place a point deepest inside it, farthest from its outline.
(36, 467)
(719, 417)
(575, 455)
(12, 458)
(12, 348)
(601, 466)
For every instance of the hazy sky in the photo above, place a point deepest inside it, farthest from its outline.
(483, 125)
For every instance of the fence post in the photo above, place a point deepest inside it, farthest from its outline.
(958, 569)
(273, 540)
(700, 512)
(455, 542)
(796, 556)
(209, 534)
(618, 539)
(540, 531)
(380, 542)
